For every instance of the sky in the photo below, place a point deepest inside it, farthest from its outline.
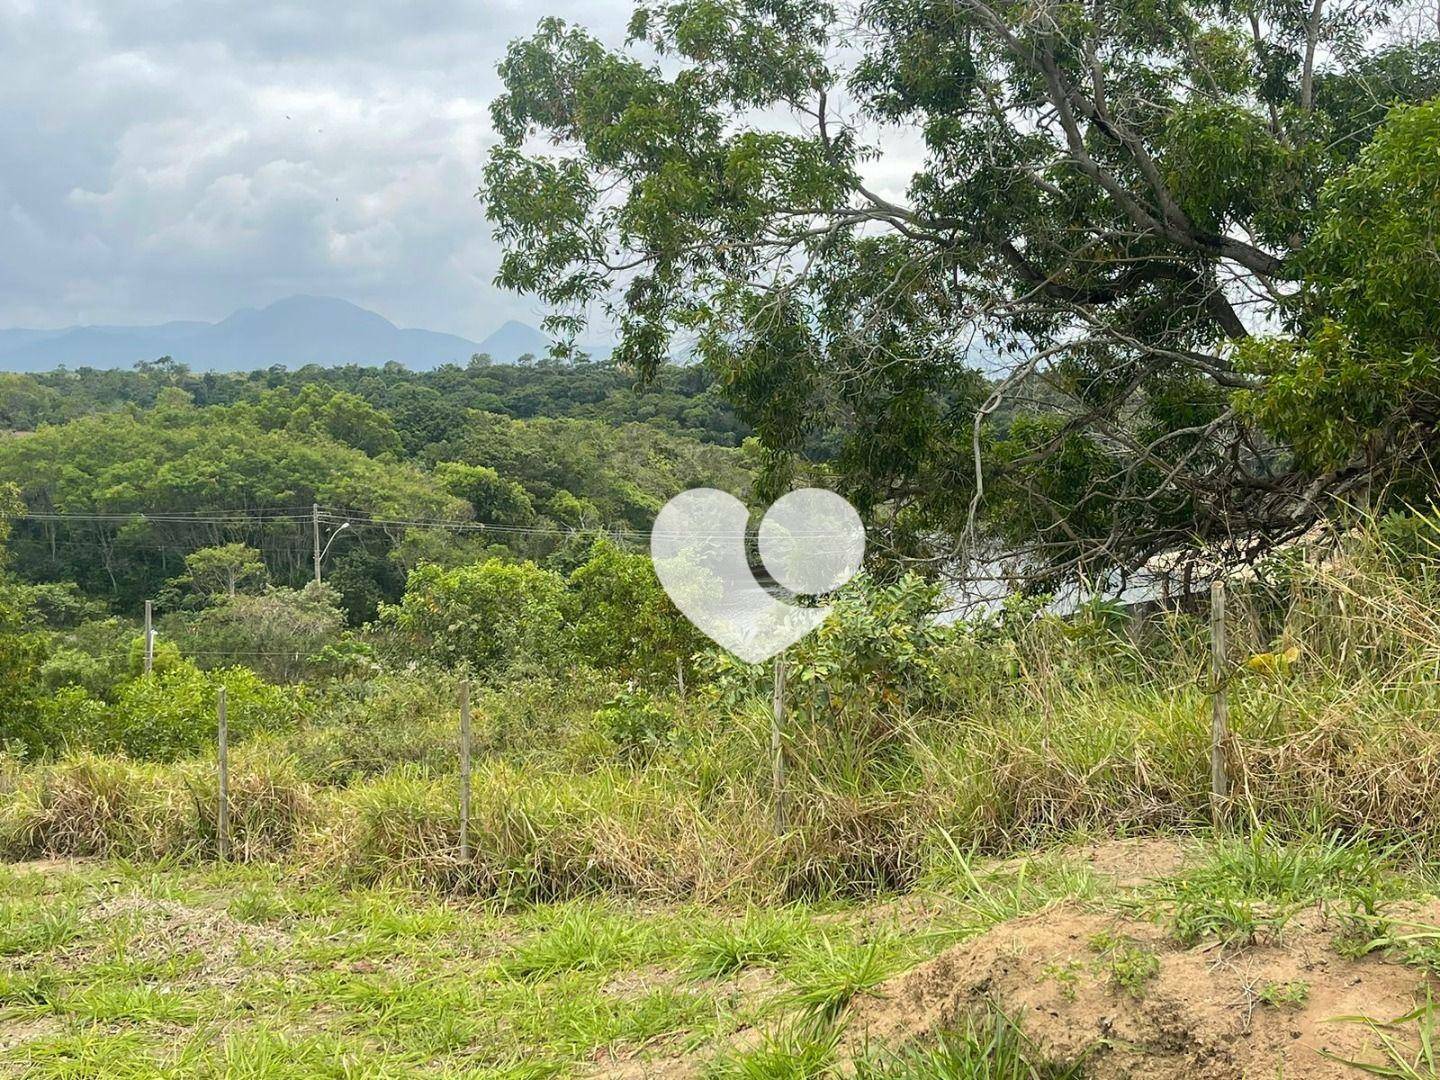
(181, 160)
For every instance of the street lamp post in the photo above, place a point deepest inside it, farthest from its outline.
(320, 552)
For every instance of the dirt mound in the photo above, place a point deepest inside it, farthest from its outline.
(1127, 863)
(1123, 997)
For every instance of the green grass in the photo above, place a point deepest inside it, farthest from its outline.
(30, 927)
(1249, 889)
(994, 1050)
(799, 1051)
(132, 970)
(124, 970)
(584, 937)
(762, 938)
(1409, 1045)
(826, 976)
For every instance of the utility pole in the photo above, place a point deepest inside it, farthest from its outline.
(315, 529)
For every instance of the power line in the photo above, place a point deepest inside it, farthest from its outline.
(198, 517)
(363, 519)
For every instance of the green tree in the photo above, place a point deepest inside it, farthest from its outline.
(217, 571)
(1356, 390)
(1110, 199)
(150, 487)
(491, 616)
(170, 714)
(493, 498)
(21, 652)
(277, 633)
(625, 621)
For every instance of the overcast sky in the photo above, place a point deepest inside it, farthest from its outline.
(180, 160)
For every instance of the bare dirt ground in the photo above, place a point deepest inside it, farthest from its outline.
(1282, 1007)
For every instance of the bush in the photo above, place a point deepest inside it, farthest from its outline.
(625, 621)
(94, 656)
(365, 728)
(96, 806)
(163, 716)
(491, 616)
(277, 633)
(544, 837)
(637, 723)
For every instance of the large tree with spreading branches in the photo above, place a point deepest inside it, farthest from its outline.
(1075, 281)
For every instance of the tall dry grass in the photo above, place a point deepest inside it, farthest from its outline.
(91, 805)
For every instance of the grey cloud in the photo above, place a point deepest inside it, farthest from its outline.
(179, 160)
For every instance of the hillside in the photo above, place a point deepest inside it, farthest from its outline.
(551, 452)
(296, 331)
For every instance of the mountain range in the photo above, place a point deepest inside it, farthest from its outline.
(296, 331)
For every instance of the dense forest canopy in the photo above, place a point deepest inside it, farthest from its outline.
(424, 406)
(1199, 237)
(125, 476)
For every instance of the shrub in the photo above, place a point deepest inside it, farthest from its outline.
(94, 656)
(163, 716)
(367, 727)
(88, 805)
(625, 621)
(544, 837)
(276, 633)
(491, 616)
(96, 806)
(637, 724)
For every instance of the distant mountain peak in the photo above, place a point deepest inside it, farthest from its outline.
(513, 340)
(294, 331)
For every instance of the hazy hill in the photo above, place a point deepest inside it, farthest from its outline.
(296, 331)
(514, 340)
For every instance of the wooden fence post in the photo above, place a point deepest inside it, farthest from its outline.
(149, 636)
(464, 770)
(1220, 705)
(777, 752)
(222, 822)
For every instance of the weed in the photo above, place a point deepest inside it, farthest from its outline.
(34, 928)
(798, 1052)
(29, 990)
(1251, 888)
(827, 976)
(1415, 1056)
(761, 939)
(1067, 976)
(1284, 995)
(258, 906)
(992, 1050)
(1130, 964)
(985, 898)
(582, 938)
